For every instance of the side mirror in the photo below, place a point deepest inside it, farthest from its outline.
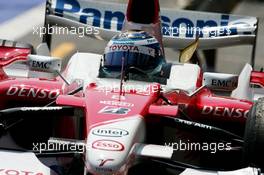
(220, 81)
(44, 64)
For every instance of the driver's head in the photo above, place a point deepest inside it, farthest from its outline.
(137, 49)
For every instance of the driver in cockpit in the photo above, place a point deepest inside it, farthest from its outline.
(139, 54)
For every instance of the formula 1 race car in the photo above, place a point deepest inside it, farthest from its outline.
(83, 121)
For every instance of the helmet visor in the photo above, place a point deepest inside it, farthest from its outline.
(140, 57)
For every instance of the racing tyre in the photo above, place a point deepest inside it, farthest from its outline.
(254, 136)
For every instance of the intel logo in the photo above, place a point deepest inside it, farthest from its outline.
(111, 132)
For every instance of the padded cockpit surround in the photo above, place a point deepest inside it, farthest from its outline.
(184, 77)
(86, 66)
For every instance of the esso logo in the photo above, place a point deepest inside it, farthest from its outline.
(108, 145)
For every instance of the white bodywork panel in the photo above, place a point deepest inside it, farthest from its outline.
(36, 66)
(120, 146)
(243, 90)
(20, 163)
(16, 70)
(21, 70)
(86, 66)
(184, 77)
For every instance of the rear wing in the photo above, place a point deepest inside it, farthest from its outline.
(179, 27)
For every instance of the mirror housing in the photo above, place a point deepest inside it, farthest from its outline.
(220, 81)
(44, 64)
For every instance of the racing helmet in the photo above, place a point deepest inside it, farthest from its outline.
(135, 49)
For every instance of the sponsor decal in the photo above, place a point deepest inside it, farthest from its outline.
(114, 20)
(104, 170)
(41, 108)
(18, 172)
(41, 64)
(220, 81)
(190, 123)
(150, 41)
(114, 110)
(223, 83)
(117, 103)
(104, 161)
(23, 91)
(118, 97)
(123, 48)
(225, 111)
(110, 132)
(201, 27)
(108, 145)
(131, 48)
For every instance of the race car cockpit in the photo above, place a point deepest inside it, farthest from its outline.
(137, 55)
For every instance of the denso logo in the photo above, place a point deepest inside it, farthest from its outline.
(17, 172)
(23, 91)
(110, 132)
(108, 145)
(112, 18)
(224, 111)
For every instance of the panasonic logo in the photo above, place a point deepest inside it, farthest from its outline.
(110, 132)
(108, 19)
